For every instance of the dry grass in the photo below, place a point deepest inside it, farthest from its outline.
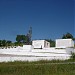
(36, 68)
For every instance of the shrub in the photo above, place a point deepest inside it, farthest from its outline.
(72, 55)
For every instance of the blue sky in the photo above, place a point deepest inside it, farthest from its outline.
(48, 18)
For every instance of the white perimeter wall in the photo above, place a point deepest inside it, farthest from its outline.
(19, 54)
(27, 47)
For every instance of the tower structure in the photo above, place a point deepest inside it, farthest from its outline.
(29, 35)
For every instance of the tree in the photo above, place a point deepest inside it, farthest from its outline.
(52, 42)
(21, 39)
(9, 43)
(3, 43)
(18, 38)
(0, 43)
(67, 36)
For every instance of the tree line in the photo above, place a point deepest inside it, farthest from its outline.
(25, 40)
(20, 41)
(5, 43)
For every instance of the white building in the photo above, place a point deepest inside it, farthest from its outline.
(64, 43)
(40, 44)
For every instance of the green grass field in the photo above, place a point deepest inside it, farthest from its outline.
(37, 68)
